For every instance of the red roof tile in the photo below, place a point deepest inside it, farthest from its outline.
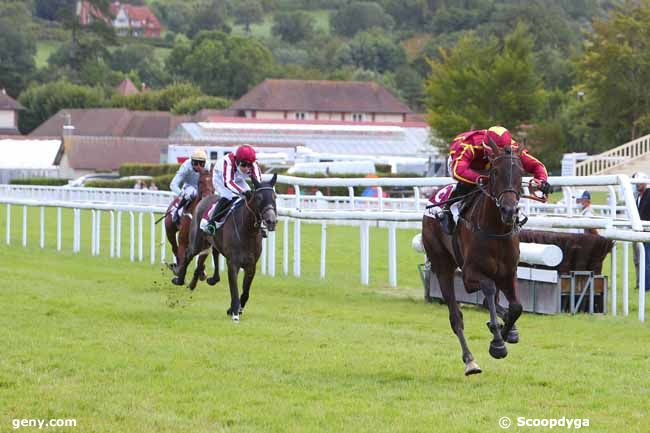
(322, 96)
(126, 88)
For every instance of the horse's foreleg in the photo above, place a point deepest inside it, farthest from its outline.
(498, 348)
(214, 279)
(509, 331)
(249, 274)
(233, 311)
(446, 282)
(198, 272)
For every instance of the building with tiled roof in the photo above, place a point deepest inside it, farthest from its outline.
(126, 88)
(9, 109)
(339, 101)
(136, 21)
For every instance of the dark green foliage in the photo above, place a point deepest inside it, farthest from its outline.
(293, 26)
(248, 12)
(147, 169)
(162, 182)
(48, 181)
(209, 15)
(371, 51)
(360, 16)
(17, 47)
(156, 100)
(140, 59)
(42, 102)
(194, 104)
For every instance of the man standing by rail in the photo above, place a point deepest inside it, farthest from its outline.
(643, 204)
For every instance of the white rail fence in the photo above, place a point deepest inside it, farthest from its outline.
(618, 222)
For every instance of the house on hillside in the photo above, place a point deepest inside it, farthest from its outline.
(136, 21)
(88, 14)
(9, 109)
(339, 101)
(126, 88)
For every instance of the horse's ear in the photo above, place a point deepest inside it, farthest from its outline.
(493, 145)
(256, 184)
(273, 179)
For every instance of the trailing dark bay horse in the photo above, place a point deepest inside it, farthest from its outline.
(179, 235)
(239, 240)
(487, 251)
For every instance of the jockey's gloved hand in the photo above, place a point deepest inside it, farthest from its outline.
(543, 186)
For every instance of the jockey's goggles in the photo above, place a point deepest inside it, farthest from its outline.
(201, 163)
(245, 164)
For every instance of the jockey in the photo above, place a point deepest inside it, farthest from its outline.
(229, 179)
(469, 154)
(186, 182)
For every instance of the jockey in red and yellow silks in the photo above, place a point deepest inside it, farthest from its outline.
(469, 155)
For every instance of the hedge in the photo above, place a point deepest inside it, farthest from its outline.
(148, 169)
(48, 181)
(162, 182)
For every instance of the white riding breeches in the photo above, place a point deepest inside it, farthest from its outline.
(189, 192)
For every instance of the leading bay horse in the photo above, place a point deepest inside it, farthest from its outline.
(178, 235)
(239, 240)
(487, 251)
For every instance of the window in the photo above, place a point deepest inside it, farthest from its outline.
(300, 116)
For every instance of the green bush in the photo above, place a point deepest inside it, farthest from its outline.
(162, 182)
(194, 104)
(148, 169)
(49, 181)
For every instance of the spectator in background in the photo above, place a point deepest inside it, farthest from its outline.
(643, 204)
(153, 186)
(138, 185)
(585, 203)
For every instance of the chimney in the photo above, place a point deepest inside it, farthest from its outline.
(68, 131)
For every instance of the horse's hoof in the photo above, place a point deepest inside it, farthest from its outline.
(192, 285)
(203, 277)
(178, 281)
(212, 281)
(512, 337)
(472, 368)
(498, 351)
(173, 267)
(235, 318)
(241, 310)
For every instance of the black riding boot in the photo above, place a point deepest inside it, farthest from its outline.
(176, 216)
(447, 218)
(221, 208)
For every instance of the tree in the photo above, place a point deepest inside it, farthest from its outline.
(293, 27)
(615, 74)
(221, 65)
(176, 15)
(372, 51)
(247, 12)
(42, 102)
(360, 16)
(408, 14)
(140, 59)
(49, 9)
(481, 83)
(194, 104)
(157, 100)
(17, 48)
(209, 15)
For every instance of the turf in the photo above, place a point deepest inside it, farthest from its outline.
(115, 346)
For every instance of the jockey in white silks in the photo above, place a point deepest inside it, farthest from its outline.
(229, 178)
(186, 182)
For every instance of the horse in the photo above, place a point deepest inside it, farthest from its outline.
(239, 240)
(485, 245)
(178, 235)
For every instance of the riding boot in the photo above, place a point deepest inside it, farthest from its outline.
(176, 216)
(219, 210)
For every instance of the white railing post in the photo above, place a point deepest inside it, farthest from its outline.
(132, 240)
(140, 237)
(98, 227)
(323, 249)
(614, 281)
(642, 285)
(58, 229)
(296, 248)
(416, 195)
(163, 242)
(365, 252)
(42, 237)
(296, 189)
(263, 255)
(118, 235)
(24, 226)
(93, 231)
(152, 233)
(392, 255)
(8, 238)
(111, 235)
(272, 253)
(285, 247)
(626, 305)
(351, 196)
(380, 198)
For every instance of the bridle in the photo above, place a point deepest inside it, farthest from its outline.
(491, 180)
(259, 215)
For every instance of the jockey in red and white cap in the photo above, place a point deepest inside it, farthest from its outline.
(229, 179)
(469, 154)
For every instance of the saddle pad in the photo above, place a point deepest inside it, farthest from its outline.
(440, 196)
